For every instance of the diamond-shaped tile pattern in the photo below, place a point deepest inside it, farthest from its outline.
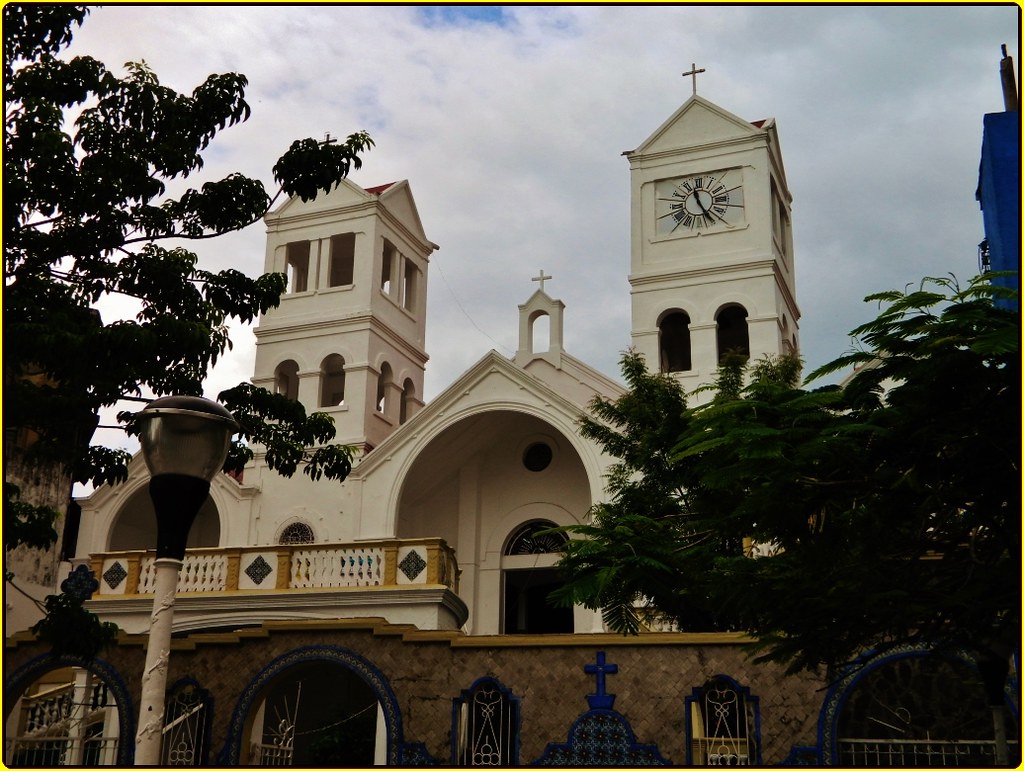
(114, 575)
(258, 570)
(412, 565)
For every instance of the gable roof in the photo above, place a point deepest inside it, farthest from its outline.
(697, 122)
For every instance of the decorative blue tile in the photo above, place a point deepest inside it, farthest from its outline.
(114, 575)
(412, 565)
(258, 570)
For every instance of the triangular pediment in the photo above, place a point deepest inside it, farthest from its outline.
(696, 123)
(344, 195)
(493, 383)
(397, 199)
(394, 197)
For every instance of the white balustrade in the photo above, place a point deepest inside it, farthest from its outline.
(199, 573)
(315, 568)
(308, 566)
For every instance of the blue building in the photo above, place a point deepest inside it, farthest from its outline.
(999, 184)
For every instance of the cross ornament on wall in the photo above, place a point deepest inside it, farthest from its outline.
(541, 278)
(601, 699)
(693, 73)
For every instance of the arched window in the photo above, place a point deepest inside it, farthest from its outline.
(332, 381)
(485, 725)
(732, 331)
(526, 608)
(674, 341)
(531, 538)
(295, 533)
(286, 379)
(383, 386)
(723, 725)
(408, 396)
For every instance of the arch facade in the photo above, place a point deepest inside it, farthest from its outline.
(378, 684)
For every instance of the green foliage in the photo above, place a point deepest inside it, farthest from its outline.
(87, 159)
(85, 210)
(25, 523)
(629, 556)
(883, 512)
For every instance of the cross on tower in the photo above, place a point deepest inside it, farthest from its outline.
(693, 74)
(600, 700)
(329, 140)
(541, 278)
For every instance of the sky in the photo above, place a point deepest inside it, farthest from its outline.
(510, 123)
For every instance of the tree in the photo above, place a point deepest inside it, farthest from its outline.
(88, 157)
(889, 507)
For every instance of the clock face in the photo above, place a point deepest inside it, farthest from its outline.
(700, 203)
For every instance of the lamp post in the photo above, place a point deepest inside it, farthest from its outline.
(184, 443)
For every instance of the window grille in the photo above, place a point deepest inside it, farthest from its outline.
(486, 725)
(296, 532)
(723, 722)
(531, 539)
(185, 726)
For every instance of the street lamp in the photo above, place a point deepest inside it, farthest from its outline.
(184, 443)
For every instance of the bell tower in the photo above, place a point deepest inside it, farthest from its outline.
(711, 246)
(348, 336)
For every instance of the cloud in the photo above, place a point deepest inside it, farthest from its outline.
(510, 122)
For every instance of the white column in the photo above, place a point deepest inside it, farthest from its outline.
(380, 747)
(81, 695)
(154, 676)
(111, 734)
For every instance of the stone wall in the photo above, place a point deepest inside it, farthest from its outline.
(426, 670)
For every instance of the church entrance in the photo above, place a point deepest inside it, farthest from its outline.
(526, 606)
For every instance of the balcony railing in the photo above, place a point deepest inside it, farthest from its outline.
(51, 751)
(402, 563)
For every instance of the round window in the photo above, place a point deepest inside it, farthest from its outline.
(537, 456)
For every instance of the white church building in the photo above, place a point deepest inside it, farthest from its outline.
(420, 582)
(497, 455)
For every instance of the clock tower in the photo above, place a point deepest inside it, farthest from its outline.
(712, 252)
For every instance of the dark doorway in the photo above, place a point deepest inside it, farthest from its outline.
(527, 609)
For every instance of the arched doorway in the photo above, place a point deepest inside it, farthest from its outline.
(476, 483)
(316, 706)
(525, 590)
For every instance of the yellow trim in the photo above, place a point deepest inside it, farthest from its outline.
(410, 634)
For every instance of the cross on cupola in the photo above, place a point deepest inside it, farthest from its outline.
(693, 73)
(541, 278)
(600, 700)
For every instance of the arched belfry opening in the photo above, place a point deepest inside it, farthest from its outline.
(540, 327)
(477, 484)
(674, 342)
(540, 332)
(732, 332)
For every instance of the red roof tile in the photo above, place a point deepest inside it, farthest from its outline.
(378, 189)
